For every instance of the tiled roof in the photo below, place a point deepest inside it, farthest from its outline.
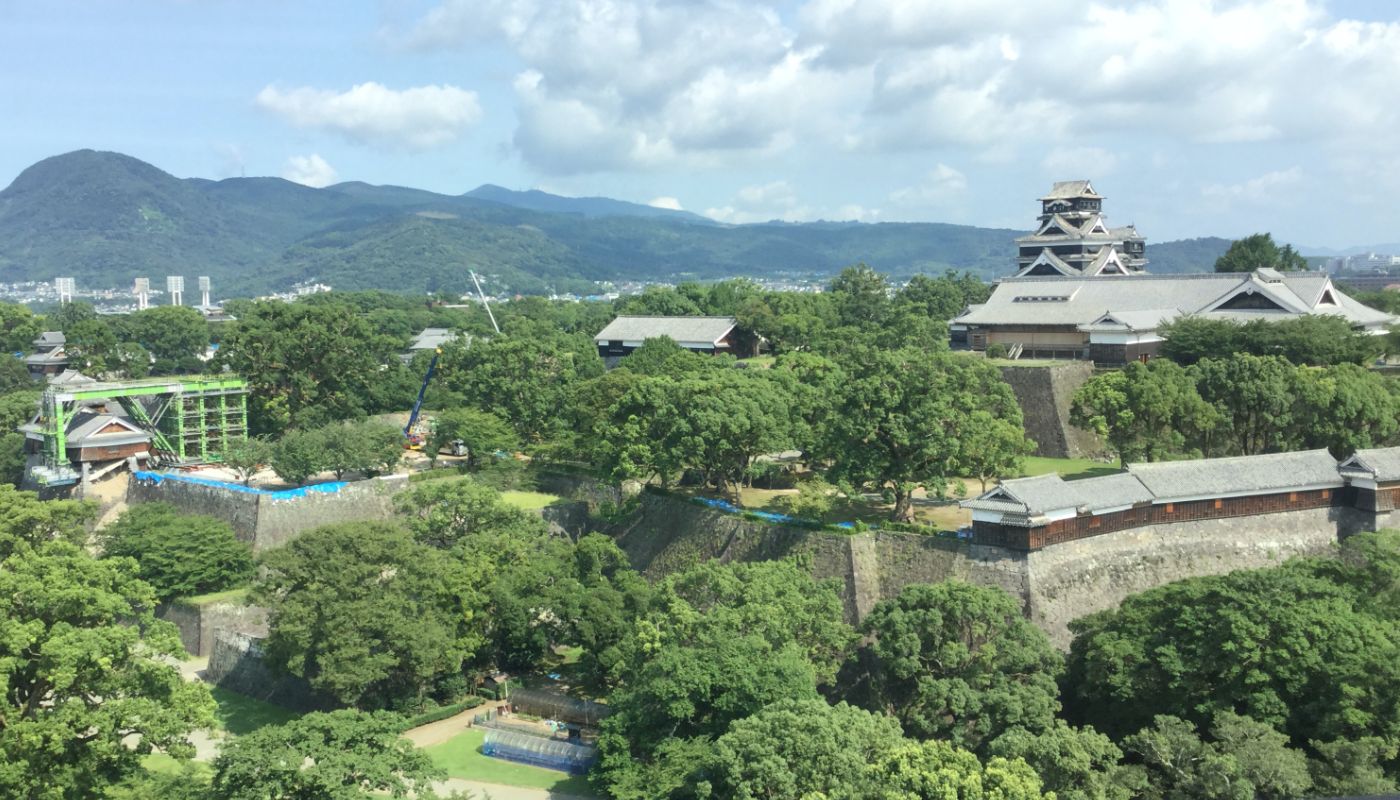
(1044, 493)
(1216, 477)
(680, 329)
(1067, 190)
(432, 339)
(1382, 463)
(1111, 294)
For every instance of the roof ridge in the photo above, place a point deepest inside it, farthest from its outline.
(1223, 459)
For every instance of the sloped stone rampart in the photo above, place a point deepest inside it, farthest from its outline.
(1055, 585)
(1045, 394)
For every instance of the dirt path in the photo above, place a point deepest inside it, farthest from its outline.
(495, 791)
(444, 729)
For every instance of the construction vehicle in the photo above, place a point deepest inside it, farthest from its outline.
(417, 432)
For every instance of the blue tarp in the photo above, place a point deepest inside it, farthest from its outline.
(771, 516)
(281, 494)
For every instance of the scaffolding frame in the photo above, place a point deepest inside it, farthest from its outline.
(192, 420)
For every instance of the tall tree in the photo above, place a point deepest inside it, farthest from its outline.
(1246, 760)
(341, 755)
(960, 662)
(366, 614)
(1258, 251)
(481, 432)
(170, 333)
(1145, 411)
(179, 554)
(89, 683)
(937, 770)
(1254, 396)
(1290, 646)
(905, 419)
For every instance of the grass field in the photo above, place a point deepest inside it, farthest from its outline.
(162, 763)
(239, 714)
(461, 757)
(1068, 468)
(529, 501)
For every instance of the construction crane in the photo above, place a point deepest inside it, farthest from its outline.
(415, 432)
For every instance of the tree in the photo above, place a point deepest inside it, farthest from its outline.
(944, 297)
(367, 447)
(862, 296)
(246, 456)
(1316, 339)
(527, 376)
(90, 346)
(1074, 763)
(1146, 411)
(298, 456)
(1258, 251)
(1246, 760)
(1344, 408)
(1254, 396)
(366, 614)
(306, 363)
(598, 606)
(904, 420)
(1290, 646)
(170, 333)
(89, 683)
(14, 375)
(12, 458)
(661, 356)
(341, 755)
(1352, 767)
(937, 770)
(26, 522)
(960, 662)
(797, 749)
(993, 448)
(178, 554)
(482, 432)
(469, 515)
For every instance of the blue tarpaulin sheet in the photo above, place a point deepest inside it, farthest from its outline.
(280, 494)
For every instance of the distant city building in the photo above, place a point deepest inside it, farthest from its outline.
(1074, 239)
(1112, 320)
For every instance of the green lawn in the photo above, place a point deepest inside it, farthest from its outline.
(162, 763)
(1069, 468)
(529, 501)
(239, 714)
(461, 757)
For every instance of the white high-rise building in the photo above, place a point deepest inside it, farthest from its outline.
(143, 293)
(204, 291)
(65, 287)
(175, 285)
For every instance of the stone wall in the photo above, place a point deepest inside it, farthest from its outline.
(569, 519)
(235, 663)
(199, 623)
(585, 488)
(1067, 581)
(264, 521)
(281, 520)
(1055, 585)
(1044, 395)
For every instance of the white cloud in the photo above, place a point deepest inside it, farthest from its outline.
(1272, 187)
(1073, 163)
(778, 200)
(309, 170)
(418, 118)
(943, 183)
(622, 85)
(665, 202)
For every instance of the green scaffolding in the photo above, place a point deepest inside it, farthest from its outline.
(192, 420)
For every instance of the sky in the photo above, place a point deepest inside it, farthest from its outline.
(1194, 118)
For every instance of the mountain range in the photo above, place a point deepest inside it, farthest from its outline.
(106, 218)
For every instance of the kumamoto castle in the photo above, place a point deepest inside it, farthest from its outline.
(1081, 291)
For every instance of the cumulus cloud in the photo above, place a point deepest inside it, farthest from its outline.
(665, 202)
(778, 201)
(618, 85)
(309, 170)
(1072, 163)
(942, 183)
(1272, 187)
(418, 118)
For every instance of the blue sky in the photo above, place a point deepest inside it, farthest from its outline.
(1194, 117)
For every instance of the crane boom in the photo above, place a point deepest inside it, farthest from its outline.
(414, 437)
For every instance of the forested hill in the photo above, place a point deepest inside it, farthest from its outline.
(106, 218)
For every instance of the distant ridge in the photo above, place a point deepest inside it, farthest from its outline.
(536, 200)
(106, 218)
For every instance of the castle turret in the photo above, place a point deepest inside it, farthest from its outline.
(1074, 239)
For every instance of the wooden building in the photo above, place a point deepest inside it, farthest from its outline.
(97, 433)
(1073, 238)
(1112, 320)
(49, 357)
(1032, 513)
(709, 335)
